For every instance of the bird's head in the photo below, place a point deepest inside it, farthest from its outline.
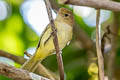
(66, 16)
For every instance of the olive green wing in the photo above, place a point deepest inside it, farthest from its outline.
(45, 36)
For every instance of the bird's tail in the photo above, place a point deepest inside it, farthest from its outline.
(32, 63)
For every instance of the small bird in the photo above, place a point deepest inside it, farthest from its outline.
(64, 26)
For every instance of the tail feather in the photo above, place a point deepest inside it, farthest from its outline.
(33, 62)
(30, 64)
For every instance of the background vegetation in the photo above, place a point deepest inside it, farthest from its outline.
(17, 34)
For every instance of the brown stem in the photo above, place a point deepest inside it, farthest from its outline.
(17, 59)
(55, 40)
(98, 47)
(98, 4)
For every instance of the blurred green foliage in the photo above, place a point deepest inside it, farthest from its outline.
(4, 78)
(16, 37)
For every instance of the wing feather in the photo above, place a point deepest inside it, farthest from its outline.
(46, 34)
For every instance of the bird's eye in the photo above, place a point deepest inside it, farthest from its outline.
(66, 15)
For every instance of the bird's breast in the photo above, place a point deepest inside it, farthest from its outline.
(64, 33)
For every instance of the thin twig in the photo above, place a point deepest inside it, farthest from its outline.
(55, 40)
(18, 74)
(106, 39)
(98, 47)
(98, 4)
(17, 59)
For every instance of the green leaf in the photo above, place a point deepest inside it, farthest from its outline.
(4, 78)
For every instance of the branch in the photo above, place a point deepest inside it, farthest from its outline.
(98, 47)
(17, 59)
(98, 4)
(18, 74)
(112, 56)
(55, 40)
(41, 70)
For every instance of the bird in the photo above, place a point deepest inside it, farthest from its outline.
(64, 23)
